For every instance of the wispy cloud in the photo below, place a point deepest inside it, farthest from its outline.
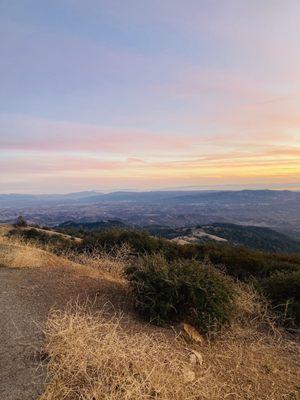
(26, 133)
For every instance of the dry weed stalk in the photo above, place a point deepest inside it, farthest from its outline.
(110, 261)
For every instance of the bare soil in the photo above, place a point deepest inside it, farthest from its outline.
(26, 297)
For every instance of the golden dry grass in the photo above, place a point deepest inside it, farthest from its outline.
(109, 263)
(4, 229)
(16, 252)
(95, 356)
(20, 253)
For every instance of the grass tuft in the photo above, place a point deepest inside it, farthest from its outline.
(92, 357)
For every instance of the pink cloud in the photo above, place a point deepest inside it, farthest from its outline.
(25, 133)
(50, 163)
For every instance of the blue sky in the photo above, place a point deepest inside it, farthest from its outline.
(148, 94)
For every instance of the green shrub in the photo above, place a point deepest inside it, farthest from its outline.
(283, 289)
(240, 262)
(181, 290)
(140, 241)
(243, 263)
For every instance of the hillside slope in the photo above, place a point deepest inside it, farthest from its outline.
(255, 237)
(89, 348)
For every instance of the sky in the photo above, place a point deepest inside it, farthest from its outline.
(149, 94)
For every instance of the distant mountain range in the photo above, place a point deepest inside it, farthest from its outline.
(275, 209)
(181, 197)
(13, 199)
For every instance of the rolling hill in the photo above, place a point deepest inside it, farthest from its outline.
(255, 237)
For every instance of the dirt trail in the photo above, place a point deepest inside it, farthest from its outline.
(26, 297)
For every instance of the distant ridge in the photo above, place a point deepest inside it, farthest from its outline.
(173, 196)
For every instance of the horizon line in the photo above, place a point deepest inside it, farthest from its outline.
(187, 189)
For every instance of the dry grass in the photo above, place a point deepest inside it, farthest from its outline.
(4, 229)
(253, 313)
(254, 359)
(110, 263)
(16, 252)
(102, 356)
(19, 253)
(93, 358)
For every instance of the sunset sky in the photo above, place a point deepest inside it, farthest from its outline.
(149, 94)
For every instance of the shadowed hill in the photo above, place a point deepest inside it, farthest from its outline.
(255, 237)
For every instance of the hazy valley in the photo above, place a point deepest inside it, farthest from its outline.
(279, 210)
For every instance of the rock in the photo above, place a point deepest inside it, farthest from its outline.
(196, 357)
(191, 333)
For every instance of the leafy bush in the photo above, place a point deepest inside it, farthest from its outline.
(181, 290)
(240, 262)
(283, 289)
(140, 241)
